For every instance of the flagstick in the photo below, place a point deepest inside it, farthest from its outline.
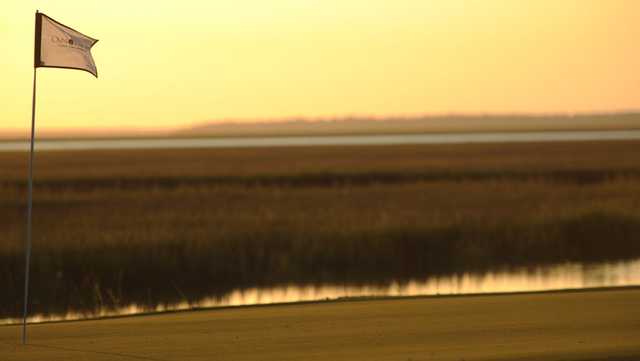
(29, 209)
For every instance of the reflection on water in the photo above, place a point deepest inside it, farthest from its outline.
(292, 141)
(560, 277)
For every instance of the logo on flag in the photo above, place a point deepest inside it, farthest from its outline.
(59, 46)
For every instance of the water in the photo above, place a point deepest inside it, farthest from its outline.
(559, 277)
(444, 138)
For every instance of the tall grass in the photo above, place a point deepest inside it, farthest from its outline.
(151, 227)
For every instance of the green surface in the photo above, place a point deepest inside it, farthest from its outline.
(603, 325)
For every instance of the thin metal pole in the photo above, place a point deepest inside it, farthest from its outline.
(29, 209)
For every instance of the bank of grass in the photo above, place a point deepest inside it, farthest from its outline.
(149, 227)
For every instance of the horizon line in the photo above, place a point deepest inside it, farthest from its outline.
(136, 131)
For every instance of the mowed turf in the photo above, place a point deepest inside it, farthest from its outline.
(595, 325)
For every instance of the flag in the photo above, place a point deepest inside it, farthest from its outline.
(59, 46)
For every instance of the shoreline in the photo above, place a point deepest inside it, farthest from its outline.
(223, 135)
(328, 140)
(338, 300)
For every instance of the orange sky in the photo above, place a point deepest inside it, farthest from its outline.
(170, 65)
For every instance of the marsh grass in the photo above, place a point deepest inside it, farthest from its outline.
(152, 227)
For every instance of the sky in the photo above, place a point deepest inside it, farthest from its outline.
(170, 64)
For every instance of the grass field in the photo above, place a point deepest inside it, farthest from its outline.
(157, 226)
(575, 326)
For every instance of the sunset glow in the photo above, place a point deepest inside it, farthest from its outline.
(171, 65)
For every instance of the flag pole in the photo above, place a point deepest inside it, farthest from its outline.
(29, 204)
(29, 211)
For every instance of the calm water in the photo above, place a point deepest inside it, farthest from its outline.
(447, 138)
(559, 277)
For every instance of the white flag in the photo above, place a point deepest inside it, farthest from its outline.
(59, 46)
